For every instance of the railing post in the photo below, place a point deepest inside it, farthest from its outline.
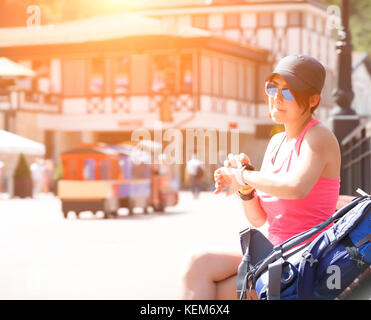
(357, 160)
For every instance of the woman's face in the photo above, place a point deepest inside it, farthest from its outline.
(281, 110)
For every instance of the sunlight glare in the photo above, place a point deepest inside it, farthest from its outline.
(129, 4)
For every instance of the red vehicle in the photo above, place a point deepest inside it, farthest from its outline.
(98, 177)
(162, 187)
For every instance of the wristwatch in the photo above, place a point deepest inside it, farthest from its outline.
(239, 173)
(246, 194)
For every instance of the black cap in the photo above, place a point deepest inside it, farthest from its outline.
(301, 72)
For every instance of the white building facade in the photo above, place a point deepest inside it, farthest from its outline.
(281, 27)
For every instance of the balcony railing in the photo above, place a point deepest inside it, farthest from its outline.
(356, 159)
(40, 102)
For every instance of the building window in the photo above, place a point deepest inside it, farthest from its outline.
(250, 82)
(265, 19)
(163, 83)
(186, 73)
(231, 21)
(263, 73)
(140, 73)
(41, 82)
(241, 82)
(294, 19)
(216, 78)
(229, 78)
(163, 74)
(206, 74)
(122, 71)
(320, 25)
(96, 85)
(200, 21)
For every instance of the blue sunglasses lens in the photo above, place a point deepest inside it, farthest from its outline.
(271, 90)
(287, 95)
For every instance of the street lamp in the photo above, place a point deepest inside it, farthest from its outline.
(343, 93)
(342, 118)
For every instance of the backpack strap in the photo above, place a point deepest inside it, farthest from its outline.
(244, 266)
(354, 254)
(308, 266)
(363, 240)
(274, 279)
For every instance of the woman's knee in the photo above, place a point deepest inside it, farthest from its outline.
(197, 265)
(204, 270)
(211, 265)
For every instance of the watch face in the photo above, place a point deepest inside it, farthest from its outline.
(248, 166)
(247, 196)
(246, 191)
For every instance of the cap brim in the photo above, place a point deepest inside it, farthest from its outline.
(294, 82)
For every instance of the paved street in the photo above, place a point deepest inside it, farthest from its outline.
(44, 256)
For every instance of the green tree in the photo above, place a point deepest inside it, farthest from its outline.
(22, 169)
(359, 21)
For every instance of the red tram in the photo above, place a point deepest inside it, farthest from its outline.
(97, 177)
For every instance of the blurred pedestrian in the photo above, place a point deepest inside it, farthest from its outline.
(195, 170)
(37, 172)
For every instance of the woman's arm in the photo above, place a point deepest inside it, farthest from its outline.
(318, 147)
(254, 212)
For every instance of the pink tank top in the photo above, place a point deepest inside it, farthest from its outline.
(288, 217)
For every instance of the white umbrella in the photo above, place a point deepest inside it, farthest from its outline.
(9, 68)
(11, 143)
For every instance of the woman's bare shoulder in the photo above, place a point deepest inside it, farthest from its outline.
(321, 141)
(321, 137)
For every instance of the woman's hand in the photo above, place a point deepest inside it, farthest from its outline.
(236, 160)
(226, 176)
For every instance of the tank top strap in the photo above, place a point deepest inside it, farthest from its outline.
(302, 134)
(276, 148)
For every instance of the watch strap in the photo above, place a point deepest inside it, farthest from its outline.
(247, 196)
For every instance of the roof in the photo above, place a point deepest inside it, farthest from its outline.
(9, 68)
(118, 32)
(93, 29)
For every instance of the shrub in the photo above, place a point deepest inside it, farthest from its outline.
(22, 170)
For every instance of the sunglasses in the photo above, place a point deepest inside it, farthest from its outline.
(271, 90)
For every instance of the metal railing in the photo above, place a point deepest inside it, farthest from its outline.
(356, 159)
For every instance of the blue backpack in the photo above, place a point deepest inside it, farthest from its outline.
(321, 269)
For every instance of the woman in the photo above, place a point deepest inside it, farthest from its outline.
(297, 186)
